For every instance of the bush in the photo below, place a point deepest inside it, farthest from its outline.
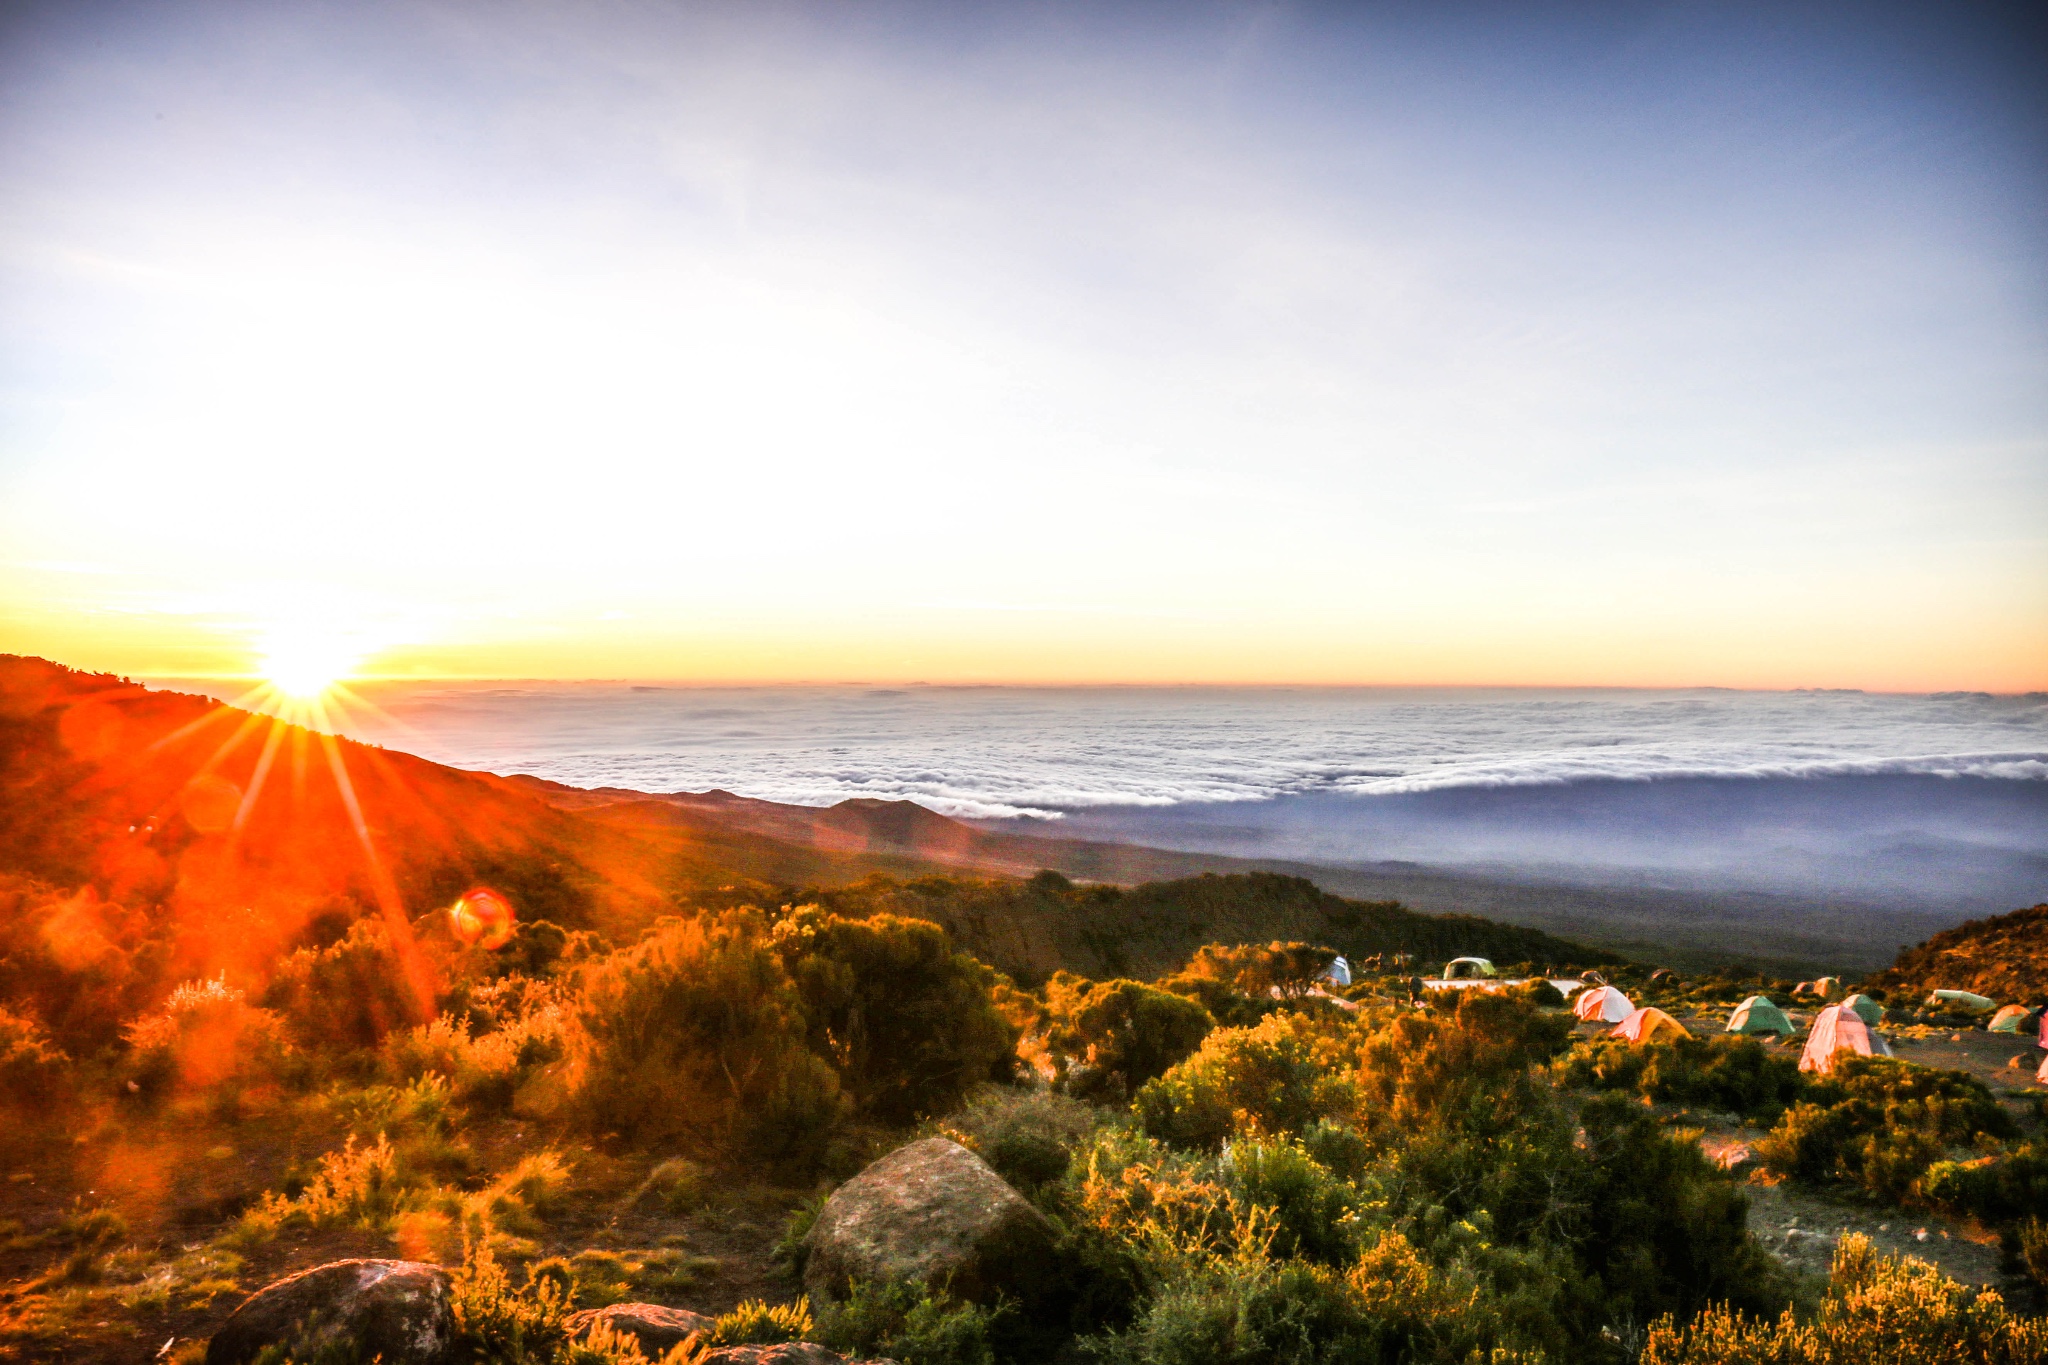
(1028, 1138)
(909, 1023)
(695, 1034)
(1898, 1310)
(35, 1075)
(1123, 1034)
(1735, 1074)
(1226, 1004)
(907, 1323)
(1881, 1124)
(759, 1323)
(350, 993)
(207, 1037)
(1275, 1078)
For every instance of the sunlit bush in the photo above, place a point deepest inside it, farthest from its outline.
(35, 1075)
(207, 1037)
(908, 1022)
(1878, 1308)
(1121, 1034)
(695, 1034)
(1274, 1078)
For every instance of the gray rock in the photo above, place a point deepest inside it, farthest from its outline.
(935, 1214)
(396, 1309)
(786, 1353)
(655, 1327)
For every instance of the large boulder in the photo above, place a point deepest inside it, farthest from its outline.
(784, 1353)
(656, 1328)
(932, 1213)
(398, 1310)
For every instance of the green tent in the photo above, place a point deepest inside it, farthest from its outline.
(1969, 1000)
(1468, 969)
(1758, 1015)
(2008, 1020)
(1868, 1010)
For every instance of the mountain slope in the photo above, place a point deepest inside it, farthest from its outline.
(2004, 957)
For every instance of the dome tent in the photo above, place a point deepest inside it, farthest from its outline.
(1338, 973)
(1468, 969)
(1969, 1000)
(1868, 1010)
(1602, 1005)
(1837, 1030)
(2008, 1020)
(1758, 1015)
(1650, 1026)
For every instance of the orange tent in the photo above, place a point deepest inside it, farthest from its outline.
(1650, 1026)
(1836, 1030)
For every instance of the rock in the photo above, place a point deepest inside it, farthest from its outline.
(788, 1353)
(396, 1309)
(934, 1213)
(655, 1327)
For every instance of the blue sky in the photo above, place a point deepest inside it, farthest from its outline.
(1600, 344)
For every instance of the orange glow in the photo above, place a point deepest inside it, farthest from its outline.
(482, 917)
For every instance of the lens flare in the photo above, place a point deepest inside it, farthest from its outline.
(482, 917)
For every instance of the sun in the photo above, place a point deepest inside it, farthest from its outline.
(305, 666)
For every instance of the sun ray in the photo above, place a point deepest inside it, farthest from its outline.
(260, 775)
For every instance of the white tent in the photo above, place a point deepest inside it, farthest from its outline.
(1602, 1005)
(1837, 1030)
(1338, 973)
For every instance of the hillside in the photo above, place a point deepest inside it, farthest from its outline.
(2004, 957)
(164, 837)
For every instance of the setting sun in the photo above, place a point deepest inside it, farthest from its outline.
(305, 667)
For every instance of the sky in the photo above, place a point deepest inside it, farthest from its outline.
(1622, 344)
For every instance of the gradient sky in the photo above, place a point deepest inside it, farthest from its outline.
(1634, 344)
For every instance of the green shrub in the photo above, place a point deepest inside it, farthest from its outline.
(1882, 1124)
(695, 1034)
(910, 1324)
(1288, 969)
(1274, 1078)
(1028, 1137)
(1123, 1034)
(1226, 1004)
(1315, 1213)
(1896, 1310)
(909, 1023)
(207, 1038)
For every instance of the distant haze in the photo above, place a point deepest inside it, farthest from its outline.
(917, 342)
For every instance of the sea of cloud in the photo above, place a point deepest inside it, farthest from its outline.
(1043, 753)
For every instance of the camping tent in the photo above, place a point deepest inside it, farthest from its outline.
(1868, 1010)
(1969, 1000)
(1650, 1026)
(1338, 973)
(1821, 989)
(1602, 1005)
(2042, 1075)
(2008, 1020)
(1758, 1015)
(1468, 968)
(1837, 1030)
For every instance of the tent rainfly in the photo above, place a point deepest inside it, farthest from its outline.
(1468, 969)
(2008, 1020)
(1820, 989)
(1868, 1010)
(2042, 1075)
(1602, 1005)
(1837, 1030)
(1338, 973)
(1969, 1000)
(1758, 1015)
(1650, 1026)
